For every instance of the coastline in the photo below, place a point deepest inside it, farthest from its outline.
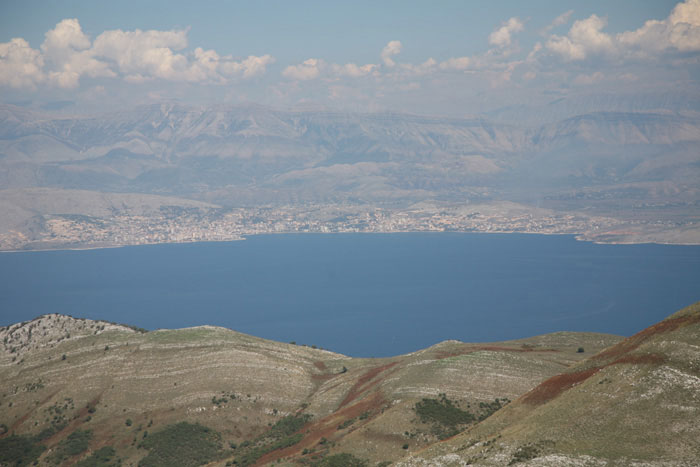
(577, 236)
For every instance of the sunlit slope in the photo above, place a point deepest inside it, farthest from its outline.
(636, 403)
(67, 375)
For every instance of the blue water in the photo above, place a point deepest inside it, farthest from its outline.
(362, 294)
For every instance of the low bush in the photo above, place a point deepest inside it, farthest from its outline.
(104, 457)
(19, 450)
(445, 417)
(281, 435)
(488, 408)
(76, 443)
(183, 444)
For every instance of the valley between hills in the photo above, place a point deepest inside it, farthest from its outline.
(92, 393)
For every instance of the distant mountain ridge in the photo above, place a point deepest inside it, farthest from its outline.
(260, 142)
(639, 168)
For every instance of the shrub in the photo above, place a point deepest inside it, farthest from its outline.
(445, 417)
(182, 444)
(346, 424)
(19, 450)
(488, 408)
(442, 411)
(281, 435)
(104, 457)
(76, 443)
(524, 453)
(530, 451)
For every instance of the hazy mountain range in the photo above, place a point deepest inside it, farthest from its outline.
(82, 392)
(639, 167)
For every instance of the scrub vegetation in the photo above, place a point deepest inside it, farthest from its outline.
(211, 395)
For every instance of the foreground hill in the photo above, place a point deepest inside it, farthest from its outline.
(636, 403)
(96, 393)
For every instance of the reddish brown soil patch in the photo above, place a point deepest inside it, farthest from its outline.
(323, 377)
(615, 355)
(638, 339)
(326, 427)
(78, 419)
(24, 417)
(321, 366)
(365, 382)
(555, 385)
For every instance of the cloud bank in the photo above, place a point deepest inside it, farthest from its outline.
(679, 33)
(567, 53)
(68, 54)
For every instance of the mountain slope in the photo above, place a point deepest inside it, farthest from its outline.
(636, 403)
(178, 150)
(60, 376)
(606, 176)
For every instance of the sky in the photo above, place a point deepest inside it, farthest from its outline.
(440, 57)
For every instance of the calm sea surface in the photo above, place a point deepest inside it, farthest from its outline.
(362, 294)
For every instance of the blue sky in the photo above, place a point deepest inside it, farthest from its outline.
(447, 57)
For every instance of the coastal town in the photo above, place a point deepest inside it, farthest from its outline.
(172, 224)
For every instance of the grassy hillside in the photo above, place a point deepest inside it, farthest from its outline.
(94, 393)
(635, 403)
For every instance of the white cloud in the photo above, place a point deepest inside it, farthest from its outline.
(391, 49)
(248, 68)
(67, 54)
(316, 68)
(64, 40)
(558, 21)
(353, 70)
(147, 54)
(313, 68)
(67, 50)
(309, 69)
(427, 66)
(456, 63)
(585, 38)
(501, 37)
(680, 32)
(20, 65)
(686, 13)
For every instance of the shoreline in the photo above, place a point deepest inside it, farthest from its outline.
(577, 236)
